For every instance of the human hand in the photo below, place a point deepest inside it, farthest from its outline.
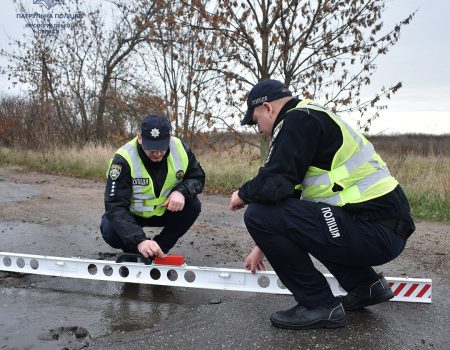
(175, 202)
(236, 202)
(149, 248)
(254, 260)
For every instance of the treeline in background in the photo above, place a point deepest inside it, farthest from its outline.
(194, 61)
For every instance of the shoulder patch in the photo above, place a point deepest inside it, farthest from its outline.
(114, 171)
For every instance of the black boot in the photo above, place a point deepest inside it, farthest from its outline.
(300, 317)
(365, 294)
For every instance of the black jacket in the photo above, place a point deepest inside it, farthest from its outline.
(311, 139)
(118, 196)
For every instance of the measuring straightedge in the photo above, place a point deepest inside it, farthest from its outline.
(167, 272)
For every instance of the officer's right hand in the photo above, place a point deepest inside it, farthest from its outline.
(236, 202)
(150, 248)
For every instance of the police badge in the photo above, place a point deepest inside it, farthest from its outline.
(180, 174)
(114, 171)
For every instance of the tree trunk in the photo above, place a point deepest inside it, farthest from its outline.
(100, 127)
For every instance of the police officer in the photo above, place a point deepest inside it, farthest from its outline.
(153, 180)
(323, 191)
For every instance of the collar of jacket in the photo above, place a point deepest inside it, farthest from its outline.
(282, 114)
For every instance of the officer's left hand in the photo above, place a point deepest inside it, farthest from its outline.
(254, 260)
(236, 202)
(175, 202)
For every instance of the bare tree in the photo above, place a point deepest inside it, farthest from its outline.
(95, 77)
(31, 64)
(179, 56)
(83, 70)
(322, 49)
(131, 30)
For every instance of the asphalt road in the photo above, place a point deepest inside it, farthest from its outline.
(59, 216)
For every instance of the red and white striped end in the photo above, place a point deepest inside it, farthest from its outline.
(412, 290)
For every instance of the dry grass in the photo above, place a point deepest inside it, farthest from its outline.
(227, 171)
(91, 161)
(425, 179)
(424, 173)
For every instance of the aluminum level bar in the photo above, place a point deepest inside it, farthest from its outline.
(405, 289)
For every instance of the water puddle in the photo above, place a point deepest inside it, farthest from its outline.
(39, 312)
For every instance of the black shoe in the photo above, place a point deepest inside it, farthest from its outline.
(300, 317)
(366, 294)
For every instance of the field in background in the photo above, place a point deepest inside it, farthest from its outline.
(421, 164)
(416, 144)
(90, 161)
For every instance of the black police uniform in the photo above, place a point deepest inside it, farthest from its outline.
(288, 229)
(123, 230)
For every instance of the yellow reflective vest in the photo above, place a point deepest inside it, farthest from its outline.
(357, 172)
(143, 200)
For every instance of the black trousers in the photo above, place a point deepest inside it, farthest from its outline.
(175, 224)
(347, 246)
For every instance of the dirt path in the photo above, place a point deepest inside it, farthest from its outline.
(54, 215)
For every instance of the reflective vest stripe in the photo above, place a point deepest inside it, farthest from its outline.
(135, 165)
(176, 156)
(141, 196)
(356, 169)
(355, 161)
(356, 189)
(165, 193)
(139, 207)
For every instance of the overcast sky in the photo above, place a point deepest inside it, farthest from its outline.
(419, 60)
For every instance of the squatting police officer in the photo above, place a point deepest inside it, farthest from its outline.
(153, 180)
(323, 191)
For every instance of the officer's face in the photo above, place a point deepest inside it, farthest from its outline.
(155, 156)
(265, 116)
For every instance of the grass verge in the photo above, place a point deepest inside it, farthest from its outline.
(426, 180)
(89, 162)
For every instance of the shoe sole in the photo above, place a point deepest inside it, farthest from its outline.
(319, 324)
(368, 302)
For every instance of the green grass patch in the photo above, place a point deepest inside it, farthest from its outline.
(426, 181)
(429, 206)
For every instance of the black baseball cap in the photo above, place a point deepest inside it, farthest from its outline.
(264, 91)
(155, 131)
